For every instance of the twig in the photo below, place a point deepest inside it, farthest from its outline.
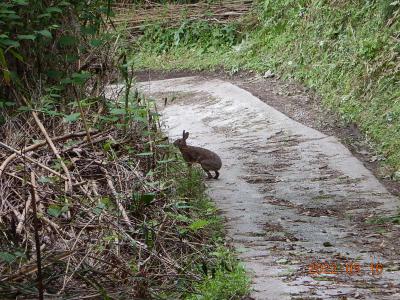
(85, 124)
(66, 280)
(38, 145)
(33, 161)
(55, 151)
(16, 212)
(29, 269)
(17, 177)
(116, 196)
(35, 199)
(24, 214)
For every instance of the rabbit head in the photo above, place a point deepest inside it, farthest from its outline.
(182, 142)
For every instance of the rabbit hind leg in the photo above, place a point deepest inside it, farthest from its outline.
(208, 172)
(216, 175)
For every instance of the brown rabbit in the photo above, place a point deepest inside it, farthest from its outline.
(208, 160)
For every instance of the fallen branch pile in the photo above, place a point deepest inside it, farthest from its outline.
(137, 17)
(105, 208)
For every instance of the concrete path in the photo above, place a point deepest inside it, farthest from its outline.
(293, 198)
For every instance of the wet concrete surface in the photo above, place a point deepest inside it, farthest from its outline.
(293, 197)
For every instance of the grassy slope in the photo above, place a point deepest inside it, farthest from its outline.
(348, 51)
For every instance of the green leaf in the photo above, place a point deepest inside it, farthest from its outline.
(164, 161)
(109, 119)
(7, 257)
(71, 58)
(45, 179)
(181, 218)
(54, 27)
(182, 205)
(198, 224)
(24, 108)
(72, 117)
(107, 146)
(99, 208)
(45, 15)
(54, 74)
(67, 41)
(106, 201)
(163, 146)
(144, 198)
(54, 210)
(117, 111)
(145, 154)
(26, 37)
(96, 42)
(16, 55)
(140, 119)
(3, 65)
(45, 33)
(20, 254)
(65, 208)
(54, 9)
(66, 81)
(20, 2)
(5, 11)
(80, 78)
(8, 42)
(64, 3)
(5, 103)
(90, 30)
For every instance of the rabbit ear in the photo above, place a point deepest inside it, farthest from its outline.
(185, 135)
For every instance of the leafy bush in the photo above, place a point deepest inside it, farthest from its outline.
(44, 47)
(201, 35)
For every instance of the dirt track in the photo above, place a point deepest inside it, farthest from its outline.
(292, 196)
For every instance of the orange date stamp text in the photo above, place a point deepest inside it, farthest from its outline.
(349, 267)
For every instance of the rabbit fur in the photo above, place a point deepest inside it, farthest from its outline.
(208, 160)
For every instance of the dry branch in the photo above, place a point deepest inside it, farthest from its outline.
(32, 160)
(35, 201)
(55, 151)
(38, 145)
(117, 197)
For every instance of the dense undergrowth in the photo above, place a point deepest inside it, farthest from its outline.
(94, 202)
(136, 223)
(347, 51)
